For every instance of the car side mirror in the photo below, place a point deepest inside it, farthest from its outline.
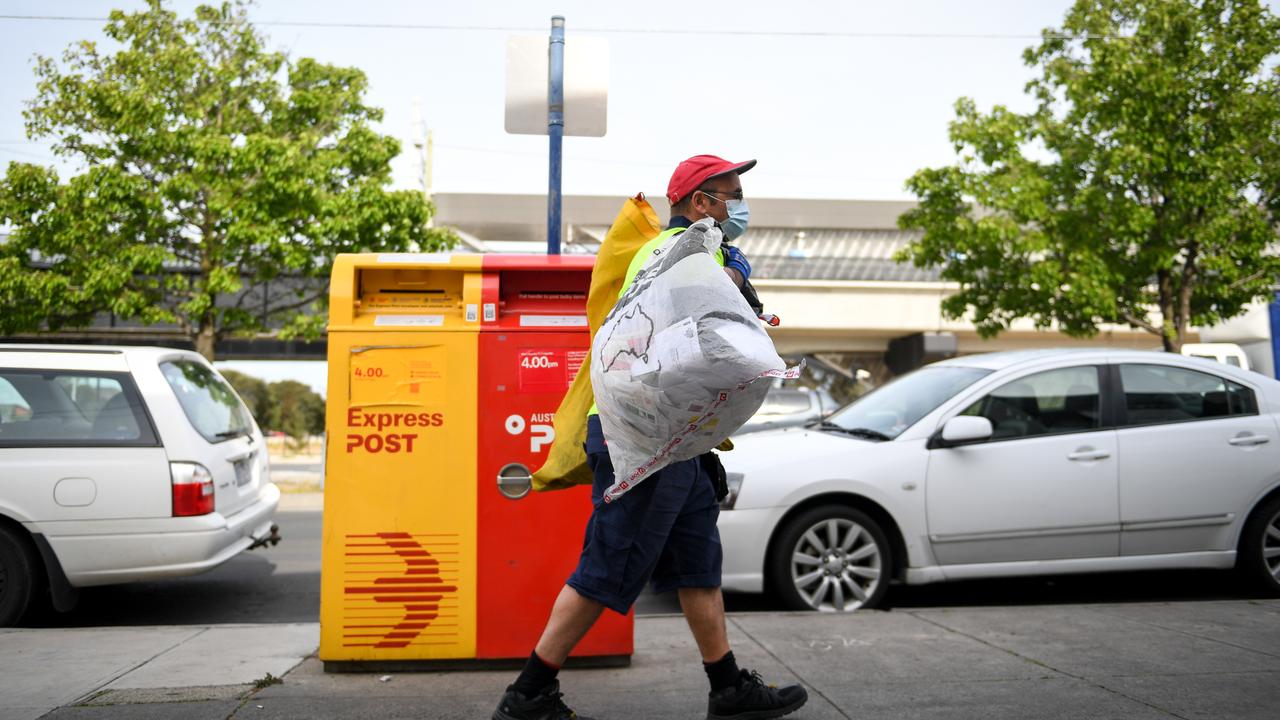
(963, 430)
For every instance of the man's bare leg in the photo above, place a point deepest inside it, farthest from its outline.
(734, 692)
(704, 610)
(571, 617)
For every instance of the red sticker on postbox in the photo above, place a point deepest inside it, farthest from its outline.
(542, 371)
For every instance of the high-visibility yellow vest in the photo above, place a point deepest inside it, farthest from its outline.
(637, 262)
(566, 464)
(634, 235)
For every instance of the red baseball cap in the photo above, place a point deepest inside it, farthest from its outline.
(698, 169)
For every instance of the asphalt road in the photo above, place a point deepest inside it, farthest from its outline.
(278, 584)
(282, 585)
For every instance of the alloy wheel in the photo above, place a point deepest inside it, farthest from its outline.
(1271, 546)
(836, 565)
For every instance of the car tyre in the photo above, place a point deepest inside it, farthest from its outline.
(831, 558)
(17, 576)
(1260, 547)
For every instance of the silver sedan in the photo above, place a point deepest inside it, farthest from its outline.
(1010, 464)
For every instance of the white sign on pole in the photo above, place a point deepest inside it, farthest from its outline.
(586, 85)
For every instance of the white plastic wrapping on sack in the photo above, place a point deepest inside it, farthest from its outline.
(675, 365)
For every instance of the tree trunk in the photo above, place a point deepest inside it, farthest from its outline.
(206, 339)
(206, 335)
(1169, 336)
(1188, 283)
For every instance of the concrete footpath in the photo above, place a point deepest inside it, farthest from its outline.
(1129, 662)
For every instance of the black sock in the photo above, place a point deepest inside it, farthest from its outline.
(722, 673)
(537, 674)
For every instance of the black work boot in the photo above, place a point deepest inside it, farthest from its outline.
(546, 705)
(751, 699)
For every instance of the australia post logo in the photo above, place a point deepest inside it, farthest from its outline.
(387, 432)
(538, 427)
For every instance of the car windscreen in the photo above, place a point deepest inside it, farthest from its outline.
(209, 402)
(893, 408)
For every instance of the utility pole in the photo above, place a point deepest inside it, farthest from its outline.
(555, 130)
(422, 137)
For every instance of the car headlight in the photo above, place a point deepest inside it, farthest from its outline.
(734, 480)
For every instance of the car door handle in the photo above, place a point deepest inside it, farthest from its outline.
(1247, 440)
(1089, 454)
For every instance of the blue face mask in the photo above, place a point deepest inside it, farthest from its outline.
(739, 216)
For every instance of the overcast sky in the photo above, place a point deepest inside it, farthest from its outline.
(849, 112)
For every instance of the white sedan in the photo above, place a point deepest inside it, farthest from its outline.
(1025, 463)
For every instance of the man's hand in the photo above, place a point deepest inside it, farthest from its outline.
(735, 263)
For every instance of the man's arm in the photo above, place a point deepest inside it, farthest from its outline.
(739, 271)
(736, 265)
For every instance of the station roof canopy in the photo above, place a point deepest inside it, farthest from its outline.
(850, 240)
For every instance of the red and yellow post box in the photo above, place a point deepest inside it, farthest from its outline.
(445, 372)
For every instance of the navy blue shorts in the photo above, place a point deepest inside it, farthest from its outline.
(664, 529)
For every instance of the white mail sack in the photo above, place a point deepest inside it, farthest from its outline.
(676, 364)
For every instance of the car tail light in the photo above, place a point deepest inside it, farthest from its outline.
(192, 489)
(734, 480)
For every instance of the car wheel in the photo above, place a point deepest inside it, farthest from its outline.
(1260, 552)
(831, 559)
(17, 577)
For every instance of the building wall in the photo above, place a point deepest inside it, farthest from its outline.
(838, 316)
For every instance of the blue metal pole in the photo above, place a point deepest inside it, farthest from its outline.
(1274, 309)
(555, 129)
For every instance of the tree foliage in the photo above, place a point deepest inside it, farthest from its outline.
(286, 406)
(254, 392)
(296, 410)
(212, 170)
(1144, 189)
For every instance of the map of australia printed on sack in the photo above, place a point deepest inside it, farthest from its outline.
(677, 360)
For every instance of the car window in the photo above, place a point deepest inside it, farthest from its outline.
(1241, 400)
(1233, 360)
(781, 401)
(13, 407)
(1163, 394)
(89, 393)
(57, 408)
(894, 407)
(213, 408)
(1051, 402)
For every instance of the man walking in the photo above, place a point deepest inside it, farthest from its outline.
(664, 529)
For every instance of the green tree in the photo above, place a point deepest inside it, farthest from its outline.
(296, 410)
(254, 393)
(219, 181)
(1146, 179)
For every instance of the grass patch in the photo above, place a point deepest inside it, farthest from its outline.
(299, 487)
(267, 681)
